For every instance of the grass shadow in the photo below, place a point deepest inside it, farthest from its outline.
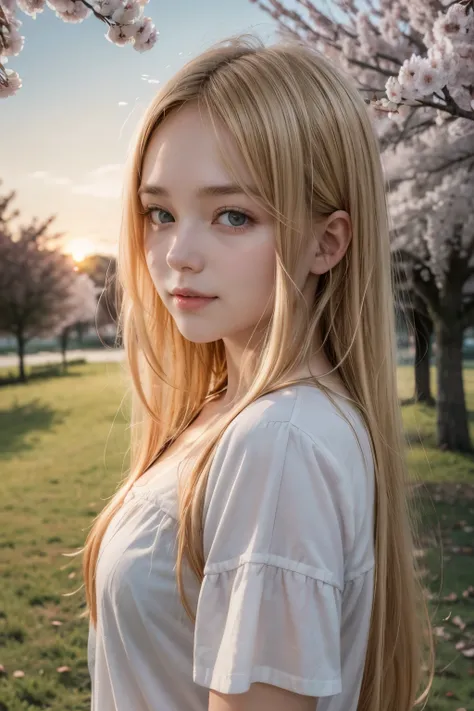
(429, 405)
(415, 437)
(405, 402)
(18, 421)
(43, 372)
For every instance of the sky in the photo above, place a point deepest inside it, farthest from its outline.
(65, 134)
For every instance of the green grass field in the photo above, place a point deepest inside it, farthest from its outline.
(63, 449)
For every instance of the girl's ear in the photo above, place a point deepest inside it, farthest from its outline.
(332, 237)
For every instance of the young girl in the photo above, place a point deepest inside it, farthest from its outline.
(259, 553)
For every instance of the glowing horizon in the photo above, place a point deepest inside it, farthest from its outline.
(79, 248)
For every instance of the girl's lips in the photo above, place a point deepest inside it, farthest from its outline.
(191, 303)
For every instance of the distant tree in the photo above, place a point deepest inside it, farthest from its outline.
(102, 270)
(81, 308)
(123, 18)
(35, 281)
(422, 328)
(416, 318)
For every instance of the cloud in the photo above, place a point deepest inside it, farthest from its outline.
(103, 182)
(123, 103)
(61, 181)
(49, 179)
(146, 78)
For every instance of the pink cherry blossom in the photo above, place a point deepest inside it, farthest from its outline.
(13, 83)
(73, 11)
(9, 6)
(15, 42)
(143, 30)
(107, 7)
(143, 45)
(126, 25)
(120, 34)
(127, 13)
(31, 7)
(394, 90)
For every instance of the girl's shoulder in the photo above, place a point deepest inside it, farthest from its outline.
(293, 469)
(331, 422)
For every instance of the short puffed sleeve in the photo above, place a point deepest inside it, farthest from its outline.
(277, 523)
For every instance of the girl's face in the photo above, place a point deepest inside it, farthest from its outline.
(220, 243)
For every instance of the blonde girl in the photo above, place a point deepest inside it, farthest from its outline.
(259, 554)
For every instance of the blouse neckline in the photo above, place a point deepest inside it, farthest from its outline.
(164, 464)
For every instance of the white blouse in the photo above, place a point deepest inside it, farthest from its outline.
(289, 568)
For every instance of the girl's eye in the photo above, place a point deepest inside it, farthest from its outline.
(235, 216)
(148, 213)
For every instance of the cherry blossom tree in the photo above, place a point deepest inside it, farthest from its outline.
(80, 308)
(381, 43)
(37, 281)
(412, 309)
(124, 18)
(434, 234)
(413, 61)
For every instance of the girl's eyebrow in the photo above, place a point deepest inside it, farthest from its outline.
(203, 191)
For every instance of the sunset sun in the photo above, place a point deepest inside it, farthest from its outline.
(80, 248)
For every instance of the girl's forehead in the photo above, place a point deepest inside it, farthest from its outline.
(186, 154)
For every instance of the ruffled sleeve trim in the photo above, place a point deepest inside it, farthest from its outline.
(240, 683)
(277, 561)
(270, 623)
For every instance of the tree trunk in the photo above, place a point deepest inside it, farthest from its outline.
(423, 331)
(21, 356)
(64, 337)
(80, 332)
(452, 424)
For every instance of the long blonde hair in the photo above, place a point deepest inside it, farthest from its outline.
(307, 140)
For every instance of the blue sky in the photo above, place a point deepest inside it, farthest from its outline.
(64, 136)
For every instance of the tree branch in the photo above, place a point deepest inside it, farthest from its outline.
(98, 14)
(450, 108)
(412, 176)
